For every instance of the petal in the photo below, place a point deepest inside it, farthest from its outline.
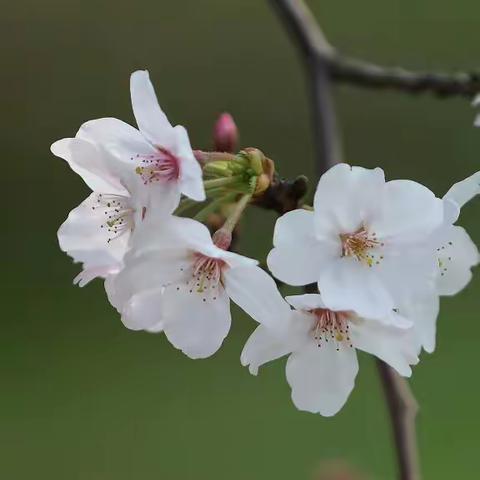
(145, 271)
(256, 293)
(462, 192)
(457, 254)
(124, 143)
(88, 161)
(322, 378)
(346, 198)
(191, 181)
(84, 239)
(195, 326)
(89, 274)
(267, 344)
(308, 301)
(293, 227)
(395, 346)
(298, 255)
(406, 270)
(151, 120)
(409, 211)
(144, 311)
(349, 285)
(423, 311)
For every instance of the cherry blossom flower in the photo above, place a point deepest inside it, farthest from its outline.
(97, 232)
(158, 156)
(177, 280)
(321, 344)
(366, 243)
(129, 172)
(456, 256)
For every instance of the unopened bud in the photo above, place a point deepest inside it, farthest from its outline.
(222, 238)
(225, 134)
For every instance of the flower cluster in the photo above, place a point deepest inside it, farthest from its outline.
(380, 252)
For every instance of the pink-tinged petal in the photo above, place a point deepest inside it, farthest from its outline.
(90, 162)
(408, 212)
(256, 293)
(322, 378)
(349, 285)
(395, 346)
(457, 254)
(126, 146)
(151, 120)
(462, 192)
(84, 239)
(195, 324)
(346, 198)
(190, 181)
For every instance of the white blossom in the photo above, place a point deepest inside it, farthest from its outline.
(129, 172)
(176, 280)
(456, 256)
(321, 344)
(366, 244)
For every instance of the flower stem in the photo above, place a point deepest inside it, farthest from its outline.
(203, 214)
(222, 182)
(206, 157)
(236, 213)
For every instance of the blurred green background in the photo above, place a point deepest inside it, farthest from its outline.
(84, 398)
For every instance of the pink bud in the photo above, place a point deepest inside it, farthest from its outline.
(225, 134)
(222, 238)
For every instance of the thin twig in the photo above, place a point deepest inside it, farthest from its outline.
(315, 51)
(365, 74)
(403, 409)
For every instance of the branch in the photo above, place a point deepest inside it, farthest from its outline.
(316, 53)
(349, 70)
(403, 409)
(360, 73)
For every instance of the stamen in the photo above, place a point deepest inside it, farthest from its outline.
(330, 325)
(359, 245)
(159, 166)
(118, 214)
(206, 277)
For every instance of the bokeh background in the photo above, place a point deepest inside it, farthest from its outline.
(84, 398)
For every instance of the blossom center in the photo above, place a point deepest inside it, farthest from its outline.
(206, 277)
(359, 245)
(118, 214)
(330, 326)
(159, 166)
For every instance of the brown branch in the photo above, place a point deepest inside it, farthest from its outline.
(403, 409)
(342, 68)
(316, 52)
(360, 73)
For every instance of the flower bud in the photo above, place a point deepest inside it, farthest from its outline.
(222, 238)
(225, 134)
